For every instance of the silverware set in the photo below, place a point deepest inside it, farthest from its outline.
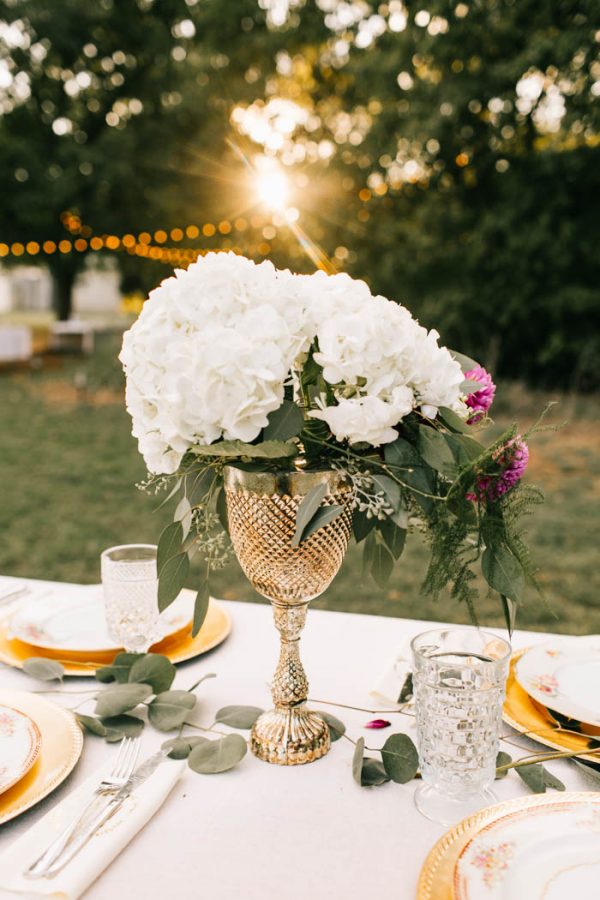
(104, 802)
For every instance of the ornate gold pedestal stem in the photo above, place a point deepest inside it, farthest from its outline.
(261, 509)
(290, 734)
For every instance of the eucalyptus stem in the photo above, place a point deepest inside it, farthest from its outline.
(200, 680)
(386, 468)
(63, 692)
(543, 757)
(373, 712)
(201, 728)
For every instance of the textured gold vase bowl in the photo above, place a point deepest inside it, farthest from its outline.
(261, 508)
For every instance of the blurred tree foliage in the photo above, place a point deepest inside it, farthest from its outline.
(447, 151)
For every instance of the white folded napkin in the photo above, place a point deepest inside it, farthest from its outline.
(392, 684)
(100, 850)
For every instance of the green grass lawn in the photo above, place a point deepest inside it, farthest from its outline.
(68, 468)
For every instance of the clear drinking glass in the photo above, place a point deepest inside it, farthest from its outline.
(459, 677)
(130, 587)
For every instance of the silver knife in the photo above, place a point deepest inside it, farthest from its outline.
(80, 839)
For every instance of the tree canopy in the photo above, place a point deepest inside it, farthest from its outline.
(447, 153)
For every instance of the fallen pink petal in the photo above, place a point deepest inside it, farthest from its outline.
(378, 723)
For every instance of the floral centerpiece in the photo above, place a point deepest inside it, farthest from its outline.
(241, 364)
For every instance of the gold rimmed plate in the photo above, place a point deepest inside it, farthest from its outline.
(69, 621)
(531, 719)
(178, 648)
(440, 877)
(20, 741)
(60, 748)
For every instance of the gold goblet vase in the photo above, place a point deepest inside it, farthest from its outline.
(261, 508)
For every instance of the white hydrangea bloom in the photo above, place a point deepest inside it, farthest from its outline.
(209, 354)
(214, 344)
(370, 347)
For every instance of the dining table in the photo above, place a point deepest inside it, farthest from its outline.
(263, 831)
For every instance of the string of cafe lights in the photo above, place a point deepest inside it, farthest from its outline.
(145, 244)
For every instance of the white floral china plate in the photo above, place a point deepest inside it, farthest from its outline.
(71, 619)
(550, 851)
(564, 675)
(20, 742)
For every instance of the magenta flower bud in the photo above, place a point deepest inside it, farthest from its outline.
(378, 723)
(480, 400)
(512, 461)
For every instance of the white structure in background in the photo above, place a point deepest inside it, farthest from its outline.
(28, 290)
(96, 295)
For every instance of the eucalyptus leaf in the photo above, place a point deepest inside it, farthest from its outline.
(43, 669)
(357, 760)
(510, 609)
(171, 494)
(373, 773)
(169, 544)
(120, 698)
(386, 485)
(465, 362)
(211, 757)
(382, 563)
(321, 518)
(198, 485)
(537, 778)
(119, 668)
(502, 759)
(362, 525)
(307, 509)
(552, 781)
(591, 770)
(503, 571)
(169, 709)
(153, 669)
(464, 449)
(123, 726)
(171, 579)
(221, 507)
(92, 724)
(200, 608)
(469, 386)
(400, 758)
(435, 450)
(449, 418)
(178, 748)
(368, 553)
(284, 423)
(393, 536)
(336, 728)
(412, 470)
(182, 510)
(238, 716)
(232, 449)
(400, 518)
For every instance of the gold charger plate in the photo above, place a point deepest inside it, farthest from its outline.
(178, 648)
(62, 742)
(437, 875)
(528, 718)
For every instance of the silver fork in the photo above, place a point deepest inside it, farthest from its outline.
(108, 787)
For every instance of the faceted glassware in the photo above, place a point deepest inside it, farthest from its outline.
(459, 679)
(130, 587)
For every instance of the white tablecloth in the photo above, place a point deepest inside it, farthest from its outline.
(264, 832)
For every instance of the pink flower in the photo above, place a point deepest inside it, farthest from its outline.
(511, 460)
(378, 723)
(480, 400)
